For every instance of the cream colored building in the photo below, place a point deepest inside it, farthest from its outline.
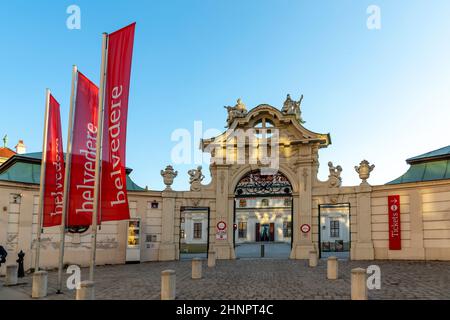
(292, 207)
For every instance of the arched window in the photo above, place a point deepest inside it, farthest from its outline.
(263, 128)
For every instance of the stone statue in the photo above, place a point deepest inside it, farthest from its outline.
(364, 170)
(5, 141)
(168, 176)
(334, 178)
(293, 107)
(238, 111)
(195, 178)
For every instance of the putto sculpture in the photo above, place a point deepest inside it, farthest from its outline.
(195, 178)
(293, 107)
(238, 111)
(168, 176)
(334, 179)
(364, 170)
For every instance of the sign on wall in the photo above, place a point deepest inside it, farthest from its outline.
(395, 240)
(221, 231)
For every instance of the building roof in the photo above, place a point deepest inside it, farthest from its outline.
(433, 165)
(26, 168)
(6, 152)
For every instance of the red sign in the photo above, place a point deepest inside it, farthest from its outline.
(305, 228)
(113, 195)
(395, 240)
(221, 225)
(54, 167)
(82, 173)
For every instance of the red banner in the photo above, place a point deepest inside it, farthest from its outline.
(54, 167)
(395, 240)
(84, 145)
(114, 200)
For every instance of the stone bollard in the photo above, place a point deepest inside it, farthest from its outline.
(85, 291)
(196, 268)
(168, 285)
(313, 259)
(359, 288)
(11, 275)
(211, 259)
(39, 288)
(332, 268)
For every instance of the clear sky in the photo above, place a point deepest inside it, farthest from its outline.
(383, 95)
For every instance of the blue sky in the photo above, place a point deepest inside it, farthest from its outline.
(383, 95)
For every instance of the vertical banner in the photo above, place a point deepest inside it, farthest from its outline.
(395, 241)
(54, 168)
(113, 187)
(84, 144)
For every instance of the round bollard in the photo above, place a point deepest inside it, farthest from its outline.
(313, 259)
(168, 285)
(11, 275)
(196, 268)
(359, 288)
(39, 288)
(86, 291)
(211, 259)
(332, 268)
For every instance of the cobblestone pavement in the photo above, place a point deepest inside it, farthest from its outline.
(260, 279)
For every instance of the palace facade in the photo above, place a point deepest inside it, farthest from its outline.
(264, 190)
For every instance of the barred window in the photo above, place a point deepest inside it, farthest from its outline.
(242, 229)
(197, 230)
(334, 228)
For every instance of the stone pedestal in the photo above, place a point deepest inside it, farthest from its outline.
(168, 285)
(211, 259)
(313, 259)
(39, 288)
(332, 268)
(196, 268)
(359, 287)
(11, 275)
(86, 291)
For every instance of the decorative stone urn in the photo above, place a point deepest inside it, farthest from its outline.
(364, 170)
(168, 175)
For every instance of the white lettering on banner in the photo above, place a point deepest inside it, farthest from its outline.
(114, 133)
(58, 195)
(89, 170)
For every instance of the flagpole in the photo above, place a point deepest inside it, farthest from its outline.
(42, 182)
(67, 176)
(98, 154)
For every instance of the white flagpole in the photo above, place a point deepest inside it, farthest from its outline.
(67, 176)
(42, 182)
(98, 153)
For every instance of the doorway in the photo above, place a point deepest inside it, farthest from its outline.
(194, 232)
(334, 235)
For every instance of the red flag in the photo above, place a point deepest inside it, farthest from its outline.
(84, 137)
(54, 167)
(113, 195)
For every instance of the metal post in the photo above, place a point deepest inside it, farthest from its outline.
(42, 182)
(262, 251)
(98, 153)
(67, 176)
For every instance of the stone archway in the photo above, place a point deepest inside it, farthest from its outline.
(263, 216)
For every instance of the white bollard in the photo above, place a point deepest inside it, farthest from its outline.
(168, 285)
(313, 259)
(196, 268)
(332, 268)
(86, 291)
(359, 288)
(211, 259)
(39, 288)
(11, 275)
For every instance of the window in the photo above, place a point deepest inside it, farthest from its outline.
(263, 128)
(197, 230)
(242, 229)
(287, 229)
(182, 234)
(151, 238)
(155, 205)
(334, 228)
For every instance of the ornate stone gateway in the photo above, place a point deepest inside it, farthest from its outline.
(263, 216)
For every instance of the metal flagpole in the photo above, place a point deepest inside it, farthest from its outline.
(67, 176)
(98, 153)
(42, 181)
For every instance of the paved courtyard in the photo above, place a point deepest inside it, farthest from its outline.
(256, 279)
